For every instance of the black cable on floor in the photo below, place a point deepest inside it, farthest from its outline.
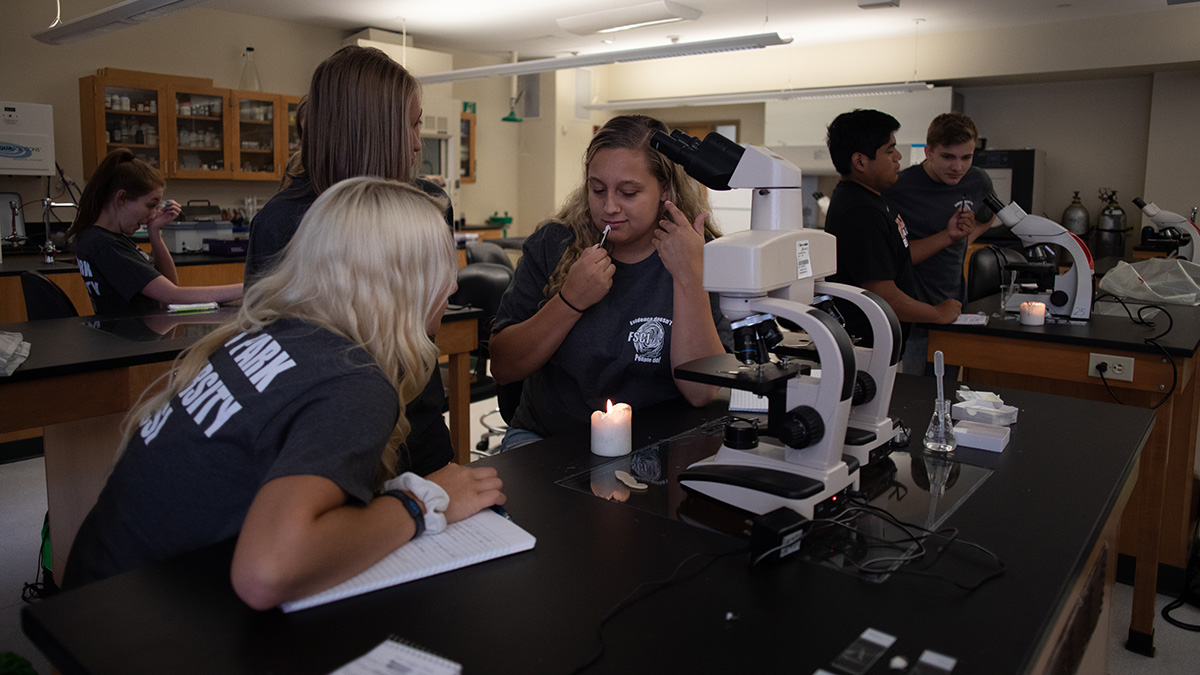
(1189, 578)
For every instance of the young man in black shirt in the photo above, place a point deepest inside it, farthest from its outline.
(873, 250)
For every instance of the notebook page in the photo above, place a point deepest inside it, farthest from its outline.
(483, 536)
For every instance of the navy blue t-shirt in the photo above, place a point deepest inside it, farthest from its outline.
(115, 271)
(927, 206)
(620, 349)
(292, 399)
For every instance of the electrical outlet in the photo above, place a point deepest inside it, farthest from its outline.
(1118, 367)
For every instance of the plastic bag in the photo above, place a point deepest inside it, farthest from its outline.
(1157, 280)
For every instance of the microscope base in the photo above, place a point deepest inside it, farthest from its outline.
(868, 441)
(760, 481)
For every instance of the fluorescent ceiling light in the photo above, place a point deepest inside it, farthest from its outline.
(762, 96)
(606, 58)
(625, 18)
(116, 17)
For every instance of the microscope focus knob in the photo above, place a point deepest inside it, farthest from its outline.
(864, 388)
(1059, 298)
(801, 427)
(741, 435)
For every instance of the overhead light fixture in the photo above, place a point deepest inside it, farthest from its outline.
(109, 19)
(877, 4)
(605, 58)
(763, 96)
(625, 18)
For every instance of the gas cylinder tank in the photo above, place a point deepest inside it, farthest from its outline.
(1076, 217)
(1110, 227)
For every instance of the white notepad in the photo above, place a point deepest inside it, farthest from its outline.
(483, 536)
(395, 656)
(971, 320)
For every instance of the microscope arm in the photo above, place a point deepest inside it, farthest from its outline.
(885, 325)
(1165, 220)
(1075, 282)
(835, 388)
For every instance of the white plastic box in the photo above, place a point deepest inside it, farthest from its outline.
(984, 412)
(189, 236)
(982, 436)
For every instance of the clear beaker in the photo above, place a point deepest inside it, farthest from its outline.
(939, 437)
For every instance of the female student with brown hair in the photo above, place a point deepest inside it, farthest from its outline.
(362, 117)
(124, 194)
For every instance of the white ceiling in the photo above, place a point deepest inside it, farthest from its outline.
(528, 26)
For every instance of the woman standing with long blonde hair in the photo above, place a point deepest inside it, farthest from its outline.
(280, 426)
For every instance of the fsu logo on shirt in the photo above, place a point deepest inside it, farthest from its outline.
(649, 338)
(902, 229)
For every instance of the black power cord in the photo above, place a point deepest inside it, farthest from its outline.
(1188, 578)
(1102, 368)
(646, 590)
(916, 536)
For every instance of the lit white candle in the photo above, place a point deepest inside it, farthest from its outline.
(1033, 313)
(612, 430)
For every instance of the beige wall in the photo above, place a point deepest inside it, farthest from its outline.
(1171, 175)
(1094, 133)
(496, 146)
(536, 143)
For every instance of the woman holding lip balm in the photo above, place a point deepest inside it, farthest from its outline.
(124, 194)
(585, 321)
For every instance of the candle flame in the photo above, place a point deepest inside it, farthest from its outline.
(610, 406)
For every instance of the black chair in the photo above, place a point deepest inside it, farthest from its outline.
(482, 285)
(44, 299)
(487, 252)
(985, 270)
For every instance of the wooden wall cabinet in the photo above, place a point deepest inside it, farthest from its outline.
(185, 127)
(126, 109)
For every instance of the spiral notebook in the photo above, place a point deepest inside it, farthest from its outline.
(396, 655)
(483, 536)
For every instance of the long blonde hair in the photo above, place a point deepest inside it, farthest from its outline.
(630, 132)
(374, 279)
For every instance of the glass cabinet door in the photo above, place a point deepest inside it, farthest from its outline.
(256, 136)
(201, 134)
(293, 127)
(131, 121)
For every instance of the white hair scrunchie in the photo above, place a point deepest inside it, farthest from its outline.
(431, 494)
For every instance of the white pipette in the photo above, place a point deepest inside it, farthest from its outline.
(939, 370)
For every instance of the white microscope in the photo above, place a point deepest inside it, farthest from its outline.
(1170, 228)
(772, 270)
(1072, 294)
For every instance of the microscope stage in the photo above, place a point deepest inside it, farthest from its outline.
(724, 370)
